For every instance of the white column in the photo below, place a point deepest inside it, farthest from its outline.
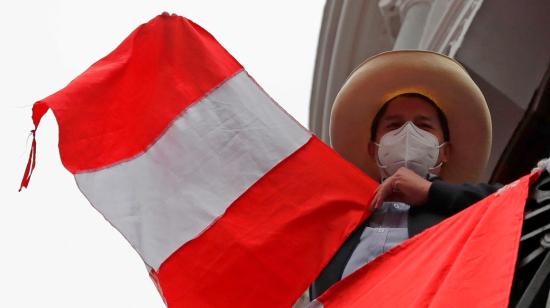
(409, 16)
(414, 14)
(447, 25)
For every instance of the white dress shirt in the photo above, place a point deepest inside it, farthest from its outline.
(386, 228)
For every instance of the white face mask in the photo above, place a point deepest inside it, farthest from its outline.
(410, 147)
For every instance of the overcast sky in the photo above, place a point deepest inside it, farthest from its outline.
(56, 250)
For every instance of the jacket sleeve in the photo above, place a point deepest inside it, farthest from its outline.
(448, 199)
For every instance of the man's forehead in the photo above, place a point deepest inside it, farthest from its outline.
(409, 107)
(417, 117)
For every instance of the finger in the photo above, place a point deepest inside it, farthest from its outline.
(384, 192)
(372, 205)
(374, 202)
(379, 201)
(381, 196)
(375, 197)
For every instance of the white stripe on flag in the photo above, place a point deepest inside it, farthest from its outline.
(206, 159)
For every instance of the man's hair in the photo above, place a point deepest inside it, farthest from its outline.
(382, 111)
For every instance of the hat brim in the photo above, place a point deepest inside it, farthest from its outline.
(440, 78)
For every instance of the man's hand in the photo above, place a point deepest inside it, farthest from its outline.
(403, 186)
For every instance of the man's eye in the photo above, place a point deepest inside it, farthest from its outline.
(425, 125)
(393, 125)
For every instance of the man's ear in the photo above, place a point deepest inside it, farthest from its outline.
(371, 149)
(446, 152)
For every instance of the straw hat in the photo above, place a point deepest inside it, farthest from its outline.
(438, 77)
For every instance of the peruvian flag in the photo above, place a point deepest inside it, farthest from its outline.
(467, 260)
(226, 198)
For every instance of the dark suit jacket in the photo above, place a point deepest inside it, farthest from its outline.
(444, 200)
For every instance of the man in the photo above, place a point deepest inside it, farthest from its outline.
(418, 123)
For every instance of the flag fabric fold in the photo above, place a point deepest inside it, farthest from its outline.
(226, 198)
(467, 260)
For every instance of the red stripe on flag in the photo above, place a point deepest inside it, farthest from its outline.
(125, 101)
(466, 261)
(275, 239)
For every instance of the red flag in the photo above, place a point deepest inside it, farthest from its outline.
(467, 260)
(228, 200)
